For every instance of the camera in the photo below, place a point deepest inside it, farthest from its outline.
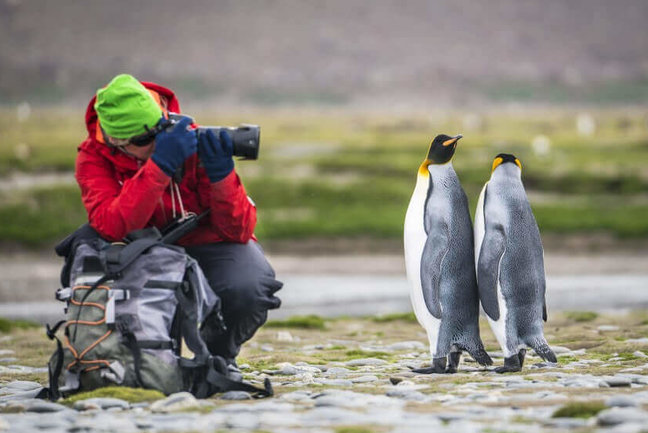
(245, 138)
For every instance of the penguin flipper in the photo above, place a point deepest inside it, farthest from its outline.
(435, 250)
(490, 255)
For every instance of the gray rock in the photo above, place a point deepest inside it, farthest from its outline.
(103, 422)
(607, 328)
(337, 371)
(364, 379)
(616, 381)
(406, 394)
(560, 350)
(297, 396)
(7, 360)
(247, 421)
(236, 395)
(620, 415)
(395, 380)
(175, 402)
(288, 370)
(350, 399)
(23, 385)
(101, 403)
(565, 423)
(406, 345)
(637, 340)
(621, 401)
(267, 348)
(4, 424)
(21, 369)
(366, 361)
(41, 406)
(334, 382)
(22, 395)
(4, 352)
(639, 354)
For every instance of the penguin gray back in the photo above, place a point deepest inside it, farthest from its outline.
(511, 253)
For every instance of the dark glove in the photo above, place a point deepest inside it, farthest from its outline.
(174, 145)
(216, 154)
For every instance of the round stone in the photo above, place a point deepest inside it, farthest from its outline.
(175, 402)
(621, 401)
(101, 403)
(236, 395)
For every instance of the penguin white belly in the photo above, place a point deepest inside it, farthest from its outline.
(414, 242)
(498, 326)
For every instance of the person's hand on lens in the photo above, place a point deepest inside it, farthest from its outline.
(216, 153)
(174, 145)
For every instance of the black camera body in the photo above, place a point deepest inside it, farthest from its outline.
(245, 138)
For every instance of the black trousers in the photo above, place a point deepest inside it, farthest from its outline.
(244, 280)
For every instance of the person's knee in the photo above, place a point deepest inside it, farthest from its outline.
(250, 293)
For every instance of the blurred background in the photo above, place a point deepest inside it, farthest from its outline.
(348, 95)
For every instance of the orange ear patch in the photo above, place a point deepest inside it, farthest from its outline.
(497, 161)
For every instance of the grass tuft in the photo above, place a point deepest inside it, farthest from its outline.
(581, 316)
(131, 395)
(8, 325)
(311, 321)
(406, 317)
(579, 410)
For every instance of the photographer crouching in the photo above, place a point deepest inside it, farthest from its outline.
(144, 166)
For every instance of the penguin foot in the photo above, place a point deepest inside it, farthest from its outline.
(438, 367)
(521, 355)
(511, 364)
(428, 370)
(453, 362)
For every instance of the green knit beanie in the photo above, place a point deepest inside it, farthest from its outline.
(125, 107)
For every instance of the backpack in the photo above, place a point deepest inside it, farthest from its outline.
(129, 307)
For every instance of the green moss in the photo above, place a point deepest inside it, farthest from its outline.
(306, 322)
(579, 410)
(358, 354)
(8, 325)
(566, 359)
(131, 395)
(581, 316)
(406, 317)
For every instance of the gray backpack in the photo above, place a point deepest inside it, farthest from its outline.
(129, 307)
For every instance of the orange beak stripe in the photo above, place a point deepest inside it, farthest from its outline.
(450, 141)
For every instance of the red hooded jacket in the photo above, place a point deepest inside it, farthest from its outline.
(122, 194)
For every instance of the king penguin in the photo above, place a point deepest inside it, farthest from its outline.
(438, 240)
(509, 260)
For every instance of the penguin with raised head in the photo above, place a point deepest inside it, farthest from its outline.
(438, 239)
(509, 260)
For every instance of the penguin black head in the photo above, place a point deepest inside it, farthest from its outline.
(503, 158)
(441, 150)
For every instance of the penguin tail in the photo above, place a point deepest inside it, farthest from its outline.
(480, 355)
(541, 347)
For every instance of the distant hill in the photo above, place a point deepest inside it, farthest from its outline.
(336, 52)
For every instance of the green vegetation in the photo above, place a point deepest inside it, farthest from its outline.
(406, 317)
(579, 410)
(358, 354)
(581, 316)
(8, 325)
(131, 395)
(305, 322)
(351, 176)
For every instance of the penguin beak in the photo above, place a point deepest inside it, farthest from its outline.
(452, 140)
